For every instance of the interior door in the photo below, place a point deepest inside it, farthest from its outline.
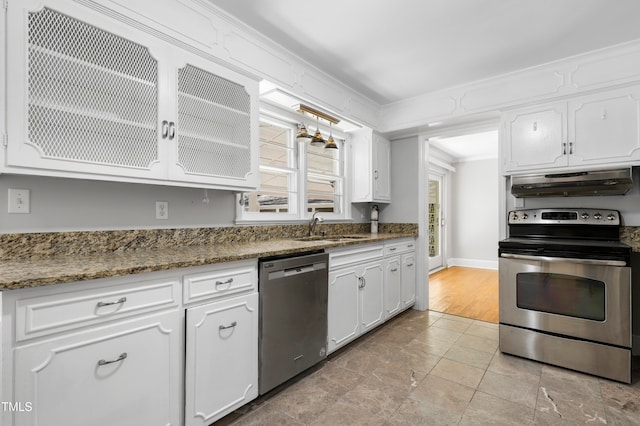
(435, 221)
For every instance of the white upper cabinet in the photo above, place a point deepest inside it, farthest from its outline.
(600, 129)
(536, 137)
(371, 165)
(90, 96)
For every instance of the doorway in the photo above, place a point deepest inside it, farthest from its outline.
(436, 222)
(464, 253)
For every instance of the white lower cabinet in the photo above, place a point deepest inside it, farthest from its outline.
(221, 358)
(408, 291)
(400, 276)
(123, 374)
(112, 351)
(392, 286)
(355, 294)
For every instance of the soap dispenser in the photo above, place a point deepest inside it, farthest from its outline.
(374, 219)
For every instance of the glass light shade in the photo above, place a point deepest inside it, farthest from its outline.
(302, 135)
(317, 139)
(331, 143)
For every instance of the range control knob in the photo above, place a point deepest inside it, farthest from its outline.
(611, 216)
(597, 216)
(585, 215)
(525, 216)
(515, 216)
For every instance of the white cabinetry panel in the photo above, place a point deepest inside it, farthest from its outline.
(93, 97)
(125, 374)
(222, 358)
(597, 130)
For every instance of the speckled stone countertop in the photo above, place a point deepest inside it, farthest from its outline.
(30, 260)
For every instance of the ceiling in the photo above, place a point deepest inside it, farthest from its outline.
(469, 147)
(403, 48)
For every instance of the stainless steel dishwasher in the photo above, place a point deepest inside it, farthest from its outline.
(293, 316)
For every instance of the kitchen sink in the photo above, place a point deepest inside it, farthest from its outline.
(330, 238)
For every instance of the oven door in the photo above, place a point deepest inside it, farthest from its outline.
(585, 299)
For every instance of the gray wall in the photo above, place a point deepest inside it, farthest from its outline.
(474, 211)
(59, 204)
(405, 179)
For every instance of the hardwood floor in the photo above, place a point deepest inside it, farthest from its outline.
(465, 292)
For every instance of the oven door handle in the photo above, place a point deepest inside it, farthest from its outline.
(564, 260)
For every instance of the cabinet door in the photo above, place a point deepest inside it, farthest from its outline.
(216, 125)
(221, 358)
(371, 297)
(535, 138)
(84, 92)
(408, 279)
(605, 128)
(343, 310)
(381, 168)
(119, 375)
(392, 286)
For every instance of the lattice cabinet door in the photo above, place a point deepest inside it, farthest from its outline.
(216, 127)
(83, 93)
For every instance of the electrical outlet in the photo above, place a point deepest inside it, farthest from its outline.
(19, 201)
(162, 210)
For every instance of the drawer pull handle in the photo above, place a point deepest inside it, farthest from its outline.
(117, 302)
(394, 270)
(122, 356)
(409, 264)
(224, 327)
(410, 246)
(229, 281)
(392, 249)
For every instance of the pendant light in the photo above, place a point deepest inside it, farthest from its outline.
(331, 143)
(303, 135)
(317, 139)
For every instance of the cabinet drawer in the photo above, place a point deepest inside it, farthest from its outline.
(124, 374)
(342, 257)
(399, 247)
(221, 281)
(39, 316)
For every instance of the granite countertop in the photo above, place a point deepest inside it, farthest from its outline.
(58, 269)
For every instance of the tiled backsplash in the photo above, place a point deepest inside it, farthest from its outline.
(42, 244)
(631, 235)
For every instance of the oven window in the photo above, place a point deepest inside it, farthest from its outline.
(561, 294)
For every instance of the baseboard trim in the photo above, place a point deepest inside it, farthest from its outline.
(473, 263)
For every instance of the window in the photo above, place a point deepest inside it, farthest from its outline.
(296, 179)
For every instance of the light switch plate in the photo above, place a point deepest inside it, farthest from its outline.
(162, 210)
(19, 200)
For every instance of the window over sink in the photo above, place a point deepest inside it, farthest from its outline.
(296, 178)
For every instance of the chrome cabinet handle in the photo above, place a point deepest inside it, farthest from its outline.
(394, 270)
(361, 282)
(165, 129)
(409, 264)
(410, 246)
(224, 327)
(117, 302)
(375, 174)
(564, 148)
(570, 147)
(392, 249)
(229, 281)
(122, 356)
(172, 130)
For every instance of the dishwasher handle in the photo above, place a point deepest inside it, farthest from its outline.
(297, 270)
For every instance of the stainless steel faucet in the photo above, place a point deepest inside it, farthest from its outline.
(313, 222)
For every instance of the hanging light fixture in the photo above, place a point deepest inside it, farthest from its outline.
(331, 143)
(317, 139)
(303, 135)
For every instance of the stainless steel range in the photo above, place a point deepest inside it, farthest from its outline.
(565, 290)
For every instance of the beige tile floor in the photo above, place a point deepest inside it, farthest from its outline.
(428, 368)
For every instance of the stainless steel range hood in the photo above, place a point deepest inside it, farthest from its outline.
(597, 182)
